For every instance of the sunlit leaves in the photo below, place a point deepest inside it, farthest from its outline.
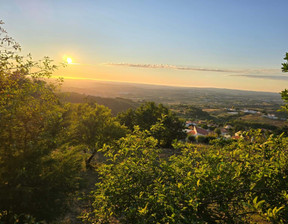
(37, 173)
(163, 125)
(92, 126)
(241, 182)
(285, 65)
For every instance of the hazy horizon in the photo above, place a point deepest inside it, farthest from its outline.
(156, 84)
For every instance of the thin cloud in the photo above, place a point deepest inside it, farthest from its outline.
(186, 68)
(161, 66)
(271, 77)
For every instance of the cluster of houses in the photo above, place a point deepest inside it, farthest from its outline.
(194, 129)
(202, 128)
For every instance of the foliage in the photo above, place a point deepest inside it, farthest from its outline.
(163, 125)
(148, 114)
(191, 138)
(285, 65)
(217, 131)
(284, 93)
(36, 173)
(239, 182)
(6, 217)
(92, 126)
(246, 125)
(128, 118)
(204, 139)
(166, 129)
(191, 112)
(125, 192)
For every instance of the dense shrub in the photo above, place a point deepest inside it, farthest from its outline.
(37, 174)
(163, 124)
(239, 183)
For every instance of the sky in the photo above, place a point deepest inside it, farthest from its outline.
(208, 43)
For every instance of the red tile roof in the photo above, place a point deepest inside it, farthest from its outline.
(192, 132)
(201, 131)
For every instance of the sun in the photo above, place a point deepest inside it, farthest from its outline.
(69, 60)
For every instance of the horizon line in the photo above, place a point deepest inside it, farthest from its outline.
(159, 84)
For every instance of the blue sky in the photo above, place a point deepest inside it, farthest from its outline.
(209, 43)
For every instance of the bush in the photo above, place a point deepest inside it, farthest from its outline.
(191, 138)
(202, 139)
(238, 183)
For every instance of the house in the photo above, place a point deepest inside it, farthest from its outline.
(228, 126)
(189, 124)
(249, 111)
(187, 130)
(238, 134)
(271, 116)
(233, 112)
(198, 131)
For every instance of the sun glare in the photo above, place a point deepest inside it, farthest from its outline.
(69, 60)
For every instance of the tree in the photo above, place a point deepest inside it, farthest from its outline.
(217, 131)
(92, 127)
(166, 129)
(148, 114)
(126, 180)
(284, 93)
(37, 174)
(163, 125)
(285, 64)
(128, 118)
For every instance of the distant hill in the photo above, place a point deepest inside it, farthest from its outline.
(199, 97)
(115, 104)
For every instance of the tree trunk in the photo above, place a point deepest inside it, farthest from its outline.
(88, 161)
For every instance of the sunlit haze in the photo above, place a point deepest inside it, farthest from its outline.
(222, 44)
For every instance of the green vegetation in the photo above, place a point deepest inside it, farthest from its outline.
(37, 174)
(285, 64)
(245, 125)
(163, 124)
(188, 111)
(284, 94)
(239, 182)
(91, 127)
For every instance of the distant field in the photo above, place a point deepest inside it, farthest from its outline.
(211, 110)
(210, 98)
(188, 103)
(255, 118)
